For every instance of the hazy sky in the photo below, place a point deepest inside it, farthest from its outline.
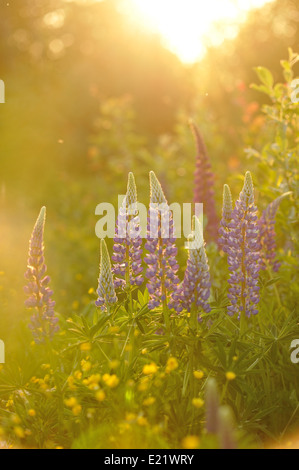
(186, 25)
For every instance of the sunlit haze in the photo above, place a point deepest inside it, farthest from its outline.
(187, 26)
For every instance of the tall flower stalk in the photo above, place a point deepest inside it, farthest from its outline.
(243, 250)
(196, 284)
(267, 234)
(127, 249)
(44, 323)
(204, 183)
(227, 209)
(105, 290)
(161, 260)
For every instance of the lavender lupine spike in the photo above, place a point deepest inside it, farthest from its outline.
(127, 248)
(227, 209)
(196, 284)
(204, 183)
(105, 291)
(44, 322)
(267, 234)
(212, 406)
(161, 260)
(243, 250)
(226, 428)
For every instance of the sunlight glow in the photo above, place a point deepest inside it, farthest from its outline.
(187, 26)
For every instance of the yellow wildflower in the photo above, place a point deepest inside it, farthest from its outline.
(142, 421)
(197, 402)
(85, 365)
(78, 375)
(19, 432)
(100, 395)
(111, 381)
(149, 401)
(149, 369)
(71, 402)
(198, 374)
(16, 419)
(76, 410)
(70, 381)
(230, 376)
(143, 384)
(172, 364)
(114, 364)
(32, 413)
(85, 347)
(190, 442)
(130, 416)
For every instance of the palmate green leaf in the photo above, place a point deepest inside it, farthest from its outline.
(265, 76)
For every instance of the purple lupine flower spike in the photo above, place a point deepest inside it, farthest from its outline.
(127, 248)
(105, 291)
(43, 322)
(196, 284)
(227, 209)
(162, 265)
(243, 250)
(204, 183)
(212, 406)
(267, 234)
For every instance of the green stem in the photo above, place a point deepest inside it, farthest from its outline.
(274, 285)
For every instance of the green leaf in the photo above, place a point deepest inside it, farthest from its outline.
(272, 281)
(265, 76)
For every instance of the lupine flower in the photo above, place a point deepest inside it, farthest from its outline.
(196, 284)
(226, 428)
(204, 183)
(212, 406)
(267, 234)
(227, 209)
(127, 249)
(161, 260)
(43, 322)
(105, 291)
(243, 252)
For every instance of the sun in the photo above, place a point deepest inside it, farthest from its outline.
(188, 26)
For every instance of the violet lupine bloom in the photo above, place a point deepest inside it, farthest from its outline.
(161, 260)
(127, 248)
(227, 209)
(243, 254)
(267, 234)
(196, 284)
(204, 183)
(43, 322)
(105, 291)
